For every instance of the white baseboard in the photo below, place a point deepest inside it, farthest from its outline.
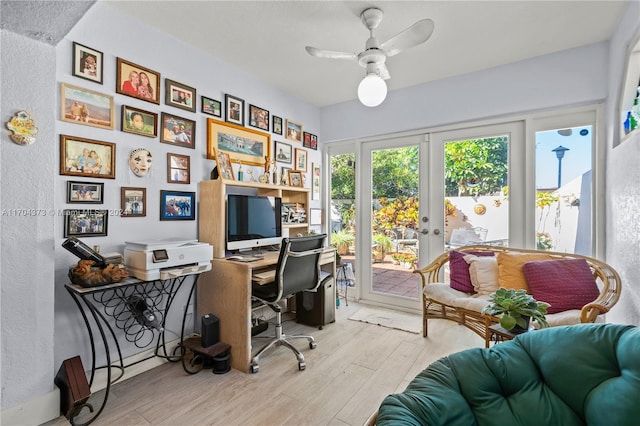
(47, 407)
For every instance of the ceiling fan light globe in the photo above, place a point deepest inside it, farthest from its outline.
(372, 90)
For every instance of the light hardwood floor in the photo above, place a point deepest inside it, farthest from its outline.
(354, 366)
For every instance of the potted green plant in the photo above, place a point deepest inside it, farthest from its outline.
(382, 244)
(516, 308)
(341, 240)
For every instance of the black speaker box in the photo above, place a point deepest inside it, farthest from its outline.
(210, 330)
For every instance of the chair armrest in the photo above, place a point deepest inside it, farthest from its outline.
(431, 273)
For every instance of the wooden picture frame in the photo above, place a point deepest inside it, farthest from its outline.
(83, 106)
(283, 152)
(130, 80)
(316, 178)
(178, 131)
(276, 125)
(87, 157)
(139, 122)
(179, 95)
(87, 63)
(85, 223)
(234, 107)
(210, 106)
(178, 168)
(245, 145)
(293, 130)
(177, 205)
(258, 117)
(223, 162)
(295, 178)
(301, 160)
(284, 175)
(133, 201)
(85, 192)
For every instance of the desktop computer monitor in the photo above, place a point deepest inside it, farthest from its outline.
(253, 221)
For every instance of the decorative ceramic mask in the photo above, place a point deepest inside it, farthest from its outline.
(140, 161)
(23, 127)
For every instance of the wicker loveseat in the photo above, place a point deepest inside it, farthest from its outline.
(570, 375)
(440, 301)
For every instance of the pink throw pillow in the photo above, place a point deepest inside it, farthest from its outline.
(564, 284)
(459, 278)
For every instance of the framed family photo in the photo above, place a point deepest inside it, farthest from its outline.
(179, 95)
(85, 192)
(85, 223)
(139, 122)
(137, 81)
(87, 63)
(177, 205)
(178, 168)
(211, 106)
(245, 145)
(315, 181)
(294, 131)
(258, 117)
(84, 106)
(277, 125)
(301, 160)
(87, 157)
(310, 141)
(178, 131)
(295, 178)
(235, 109)
(133, 201)
(223, 162)
(283, 152)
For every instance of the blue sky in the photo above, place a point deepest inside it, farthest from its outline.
(576, 161)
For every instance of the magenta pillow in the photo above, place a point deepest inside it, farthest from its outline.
(564, 284)
(459, 270)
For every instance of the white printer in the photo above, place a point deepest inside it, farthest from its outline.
(161, 260)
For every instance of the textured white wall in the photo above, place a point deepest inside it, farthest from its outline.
(623, 180)
(26, 253)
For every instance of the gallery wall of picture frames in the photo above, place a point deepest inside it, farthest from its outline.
(228, 140)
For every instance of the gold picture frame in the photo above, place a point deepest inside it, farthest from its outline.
(295, 178)
(248, 146)
(83, 106)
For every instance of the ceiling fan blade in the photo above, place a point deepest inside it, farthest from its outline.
(319, 53)
(383, 71)
(416, 34)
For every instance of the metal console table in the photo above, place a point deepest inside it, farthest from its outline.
(119, 304)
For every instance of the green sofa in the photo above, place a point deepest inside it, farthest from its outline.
(567, 375)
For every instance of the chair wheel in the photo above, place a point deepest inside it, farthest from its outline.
(255, 368)
(302, 366)
(313, 345)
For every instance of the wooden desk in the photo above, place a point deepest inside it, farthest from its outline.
(225, 292)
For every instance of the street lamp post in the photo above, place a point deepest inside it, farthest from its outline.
(560, 150)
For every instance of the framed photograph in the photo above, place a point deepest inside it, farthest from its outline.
(84, 106)
(179, 95)
(315, 181)
(85, 223)
(315, 216)
(235, 110)
(284, 175)
(283, 152)
(85, 192)
(248, 146)
(178, 131)
(139, 121)
(314, 142)
(211, 106)
(294, 131)
(310, 140)
(178, 168)
(258, 117)
(177, 205)
(137, 81)
(301, 160)
(223, 162)
(87, 63)
(277, 125)
(133, 202)
(295, 178)
(87, 157)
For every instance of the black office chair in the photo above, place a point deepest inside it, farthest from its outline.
(298, 270)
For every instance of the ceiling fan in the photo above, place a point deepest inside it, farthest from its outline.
(372, 90)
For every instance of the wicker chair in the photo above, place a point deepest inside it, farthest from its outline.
(607, 278)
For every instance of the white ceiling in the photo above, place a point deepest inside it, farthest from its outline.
(267, 38)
